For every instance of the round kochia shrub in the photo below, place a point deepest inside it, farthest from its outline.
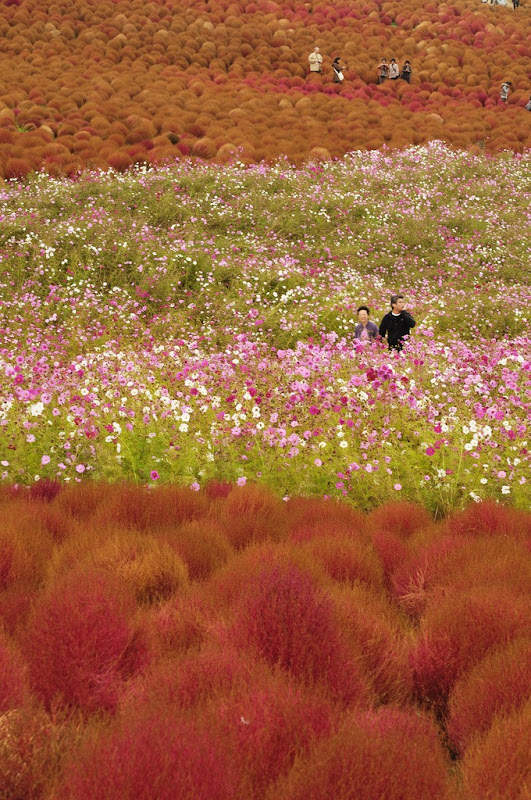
(252, 514)
(496, 767)
(496, 687)
(291, 624)
(80, 645)
(151, 755)
(268, 725)
(457, 631)
(389, 754)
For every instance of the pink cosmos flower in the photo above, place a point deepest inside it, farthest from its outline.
(397, 486)
(241, 481)
(80, 468)
(45, 460)
(154, 475)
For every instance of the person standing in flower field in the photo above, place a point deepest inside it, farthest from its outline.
(383, 70)
(406, 71)
(315, 60)
(397, 323)
(393, 70)
(338, 68)
(366, 330)
(505, 89)
(528, 104)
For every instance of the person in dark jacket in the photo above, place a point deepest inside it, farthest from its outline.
(365, 330)
(397, 323)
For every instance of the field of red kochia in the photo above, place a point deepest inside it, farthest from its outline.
(224, 643)
(113, 84)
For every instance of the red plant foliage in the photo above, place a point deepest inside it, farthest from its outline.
(202, 545)
(146, 510)
(347, 559)
(313, 516)
(13, 682)
(80, 645)
(291, 624)
(244, 683)
(253, 514)
(389, 753)
(393, 552)
(461, 562)
(45, 489)
(379, 633)
(401, 519)
(497, 686)
(269, 724)
(457, 631)
(489, 518)
(151, 755)
(497, 766)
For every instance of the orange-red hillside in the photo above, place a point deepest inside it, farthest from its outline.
(114, 83)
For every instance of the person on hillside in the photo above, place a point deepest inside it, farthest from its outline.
(366, 330)
(316, 61)
(383, 70)
(397, 324)
(394, 73)
(528, 104)
(505, 90)
(406, 71)
(516, 3)
(338, 68)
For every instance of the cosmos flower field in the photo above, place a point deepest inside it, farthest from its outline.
(196, 322)
(243, 557)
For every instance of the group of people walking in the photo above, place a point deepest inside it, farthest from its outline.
(396, 324)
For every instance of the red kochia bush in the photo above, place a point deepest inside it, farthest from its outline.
(153, 755)
(146, 510)
(389, 754)
(496, 767)
(202, 545)
(379, 631)
(269, 725)
(80, 645)
(291, 624)
(498, 685)
(252, 514)
(457, 631)
(347, 559)
(488, 519)
(462, 562)
(312, 514)
(13, 683)
(392, 551)
(401, 519)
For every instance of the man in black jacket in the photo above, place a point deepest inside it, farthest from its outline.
(397, 323)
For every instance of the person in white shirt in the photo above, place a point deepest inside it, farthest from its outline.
(393, 70)
(505, 89)
(315, 60)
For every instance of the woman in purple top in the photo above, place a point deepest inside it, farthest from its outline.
(366, 331)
